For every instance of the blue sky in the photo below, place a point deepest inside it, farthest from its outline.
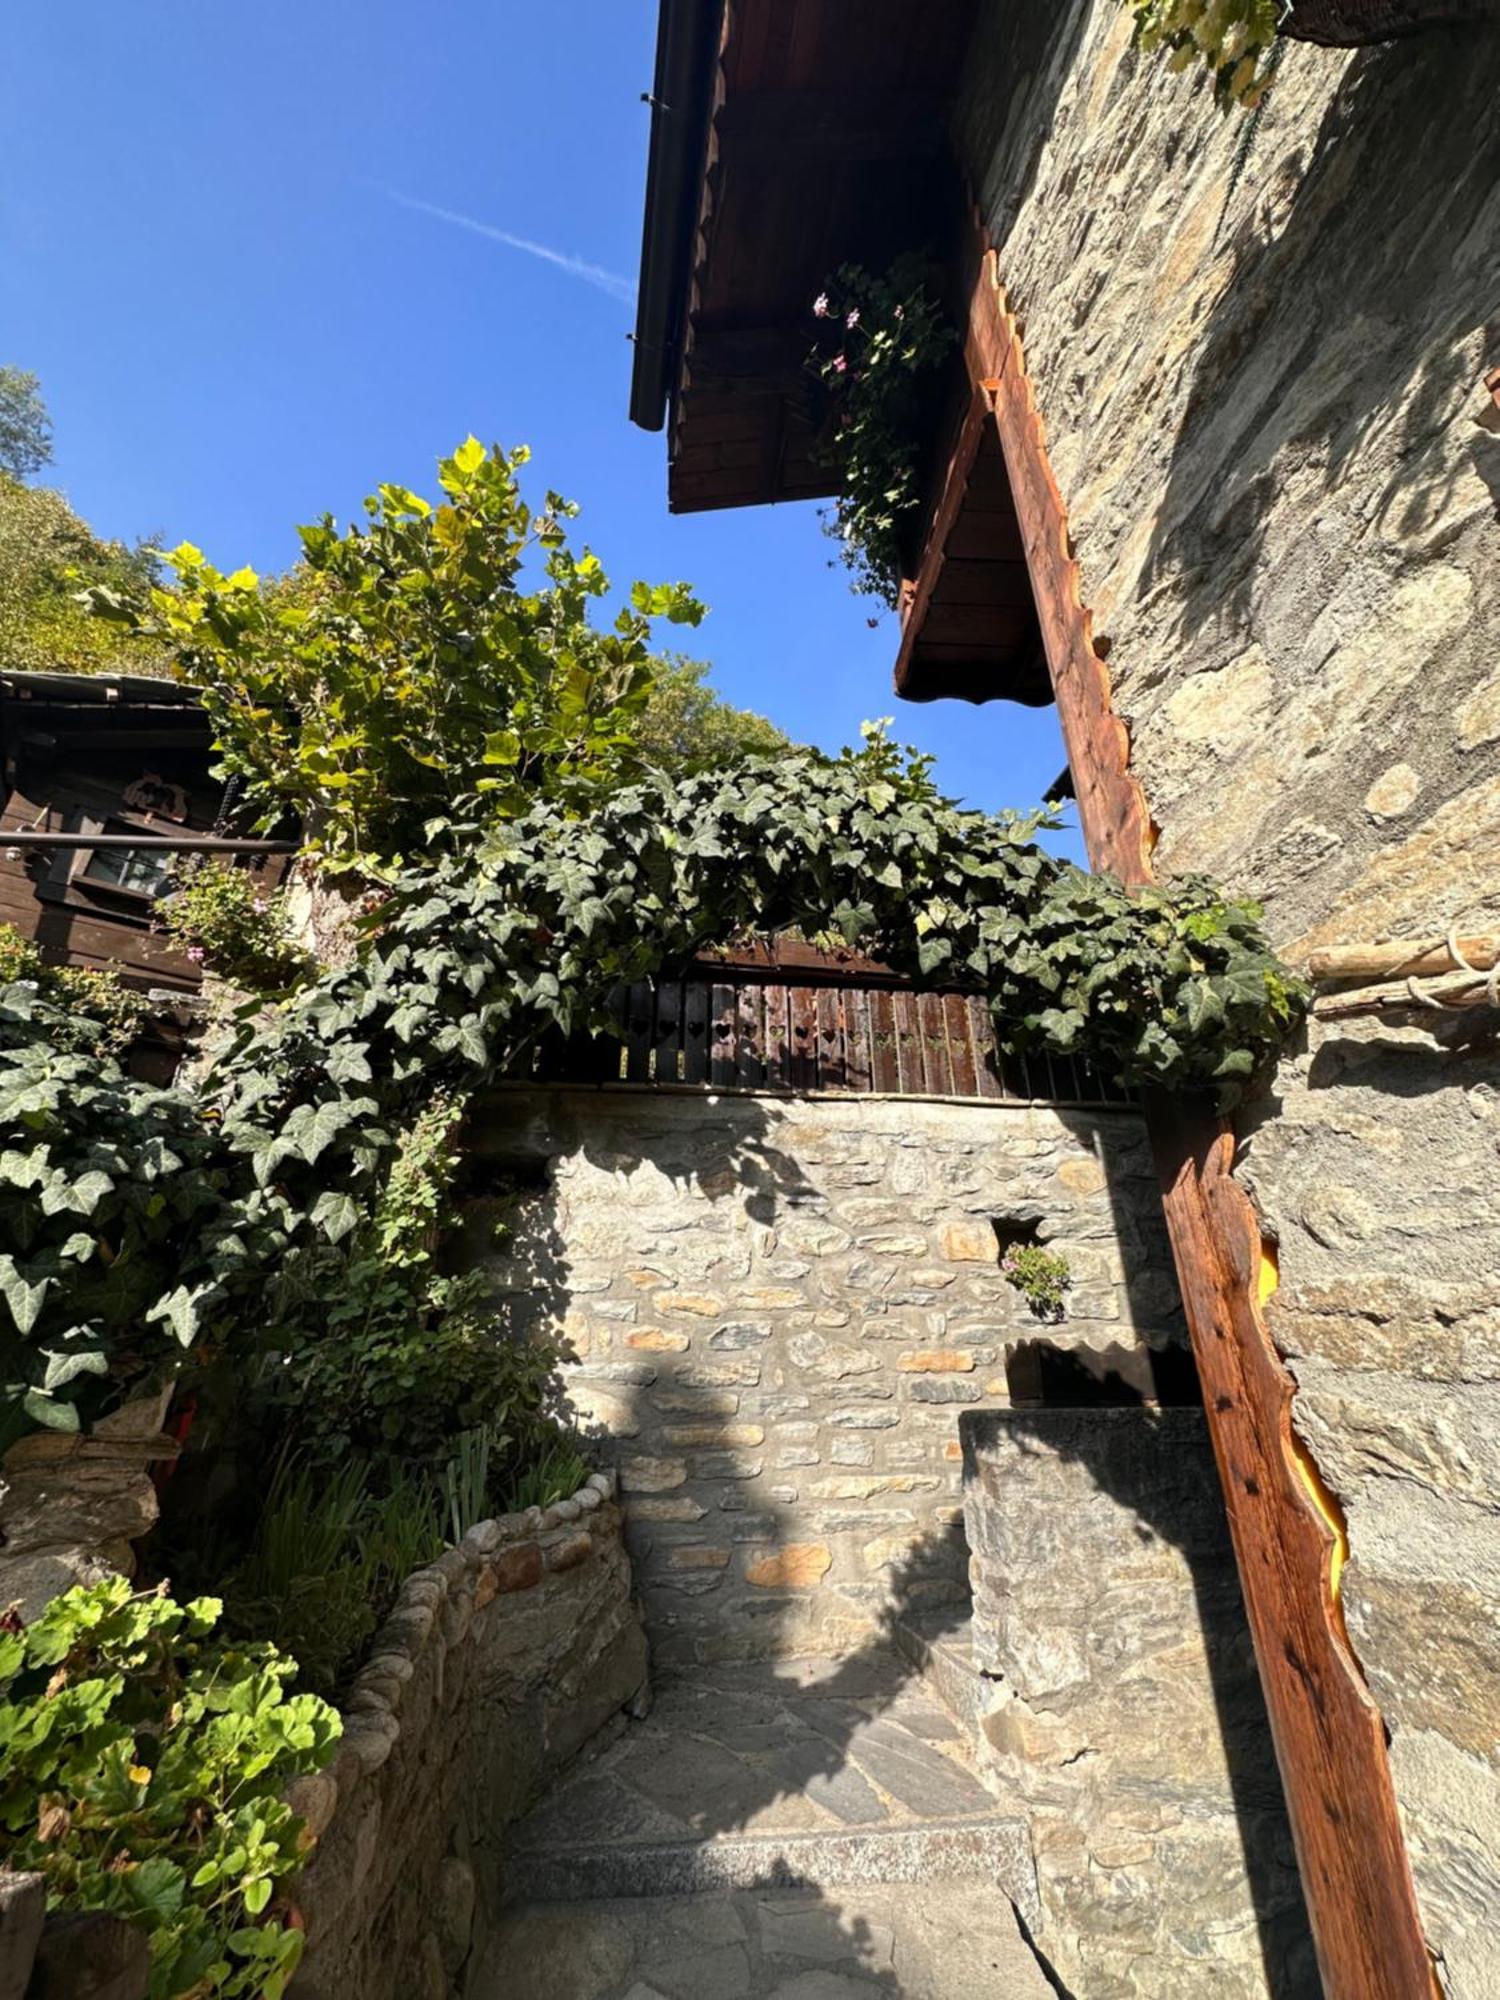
(258, 258)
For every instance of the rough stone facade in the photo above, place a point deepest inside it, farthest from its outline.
(776, 1310)
(498, 1663)
(1260, 349)
(72, 1503)
(1121, 1709)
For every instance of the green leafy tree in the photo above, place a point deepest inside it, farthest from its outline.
(25, 427)
(47, 556)
(415, 673)
(686, 726)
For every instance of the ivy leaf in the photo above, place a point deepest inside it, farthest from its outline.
(336, 1214)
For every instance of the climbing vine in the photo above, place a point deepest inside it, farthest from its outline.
(265, 1183)
(1236, 39)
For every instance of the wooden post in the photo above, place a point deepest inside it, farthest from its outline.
(1329, 1737)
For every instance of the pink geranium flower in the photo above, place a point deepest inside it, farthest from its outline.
(820, 306)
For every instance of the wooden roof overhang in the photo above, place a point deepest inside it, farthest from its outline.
(790, 137)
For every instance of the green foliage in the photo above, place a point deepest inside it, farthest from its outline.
(556, 1474)
(1042, 1275)
(143, 1766)
(112, 1202)
(25, 426)
(47, 556)
(1236, 39)
(105, 1015)
(282, 1195)
(892, 336)
(226, 920)
(466, 1479)
(407, 675)
(325, 1563)
(686, 727)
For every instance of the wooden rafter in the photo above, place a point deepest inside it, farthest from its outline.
(1329, 1735)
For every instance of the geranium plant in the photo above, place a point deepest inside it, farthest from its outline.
(143, 1766)
(1041, 1276)
(891, 336)
(227, 920)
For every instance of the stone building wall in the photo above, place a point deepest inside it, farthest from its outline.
(1121, 1708)
(1260, 349)
(776, 1310)
(500, 1661)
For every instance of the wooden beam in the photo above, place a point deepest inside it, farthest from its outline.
(787, 130)
(1329, 1738)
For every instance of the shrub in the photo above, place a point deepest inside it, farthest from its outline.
(226, 920)
(103, 1014)
(1040, 1274)
(891, 334)
(143, 1769)
(1236, 39)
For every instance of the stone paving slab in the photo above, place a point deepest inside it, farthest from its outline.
(798, 1744)
(928, 1941)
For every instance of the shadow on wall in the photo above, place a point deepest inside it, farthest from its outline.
(748, 1174)
(1349, 328)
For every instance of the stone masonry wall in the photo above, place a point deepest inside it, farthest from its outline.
(776, 1310)
(1260, 350)
(1122, 1709)
(498, 1663)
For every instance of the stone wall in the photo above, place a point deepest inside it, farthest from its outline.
(498, 1663)
(776, 1310)
(1124, 1713)
(1260, 349)
(71, 1503)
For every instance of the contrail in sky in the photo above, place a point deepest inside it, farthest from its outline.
(576, 267)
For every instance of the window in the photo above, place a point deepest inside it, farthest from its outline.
(124, 871)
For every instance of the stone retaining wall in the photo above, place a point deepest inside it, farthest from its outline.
(775, 1309)
(498, 1663)
(1123, 1711)
(1260, 349)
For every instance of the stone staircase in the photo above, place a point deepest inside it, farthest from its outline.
(807, 1830)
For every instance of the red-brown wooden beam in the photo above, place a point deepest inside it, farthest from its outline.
(1329, 1737)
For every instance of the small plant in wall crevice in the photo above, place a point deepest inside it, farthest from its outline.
(1042, 1276)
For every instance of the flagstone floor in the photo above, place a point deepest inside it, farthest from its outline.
(808, 1830)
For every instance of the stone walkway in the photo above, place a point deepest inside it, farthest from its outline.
(807, 1830)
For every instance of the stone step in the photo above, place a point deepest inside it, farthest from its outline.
(993, 1850)
(944, 1940)
(942, 1654)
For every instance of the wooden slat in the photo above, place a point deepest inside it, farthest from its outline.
(857, 1038)
(911, 1074)
(640, 1019)
(695, 1047)
(749, 1069)
(988, 1076)
(960, 1046)
(1328, 1732)
(832, 1072)
(885, 1068)
(777, 1032)
(667, 1039)
(721, 1032)
(934, 1033)
(802, 1011)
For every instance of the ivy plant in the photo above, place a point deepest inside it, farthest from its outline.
(143, 1765)
(1236, 39)
(247, 1199)
(416, 669)
(890, 337)
(104, 1015)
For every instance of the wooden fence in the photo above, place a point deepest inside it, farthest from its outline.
(742, 1030)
